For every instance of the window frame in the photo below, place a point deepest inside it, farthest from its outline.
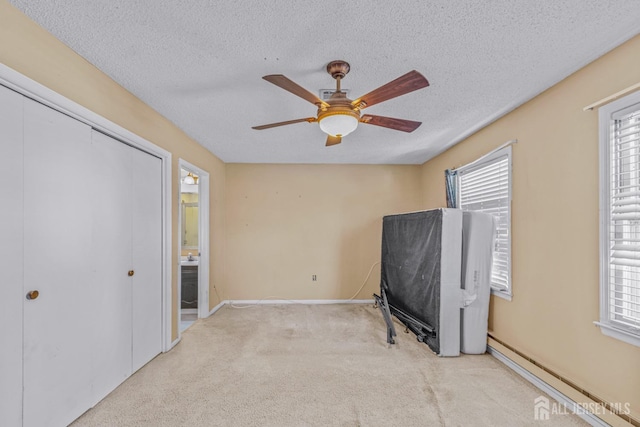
(606, 115)
(477, 164)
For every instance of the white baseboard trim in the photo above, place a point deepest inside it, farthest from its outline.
(217, 307)
(189, 310)
(301, 301)
(287, 301)
(570, 404)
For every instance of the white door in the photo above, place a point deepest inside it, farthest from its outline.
(83, 228)
(111, 261)
(146, 182)
(11, 253)
(127, 238)
(58, 325)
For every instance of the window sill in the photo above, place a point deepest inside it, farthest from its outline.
(501, 294)
(618, 333)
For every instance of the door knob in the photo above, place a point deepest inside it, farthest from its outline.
(32, 294)
(131, 273)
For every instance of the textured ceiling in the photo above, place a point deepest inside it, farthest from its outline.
(200, 63)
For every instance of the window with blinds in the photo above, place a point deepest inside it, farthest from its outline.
(485, 186)
(619, 123)
(623, 291)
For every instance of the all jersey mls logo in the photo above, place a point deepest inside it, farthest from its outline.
(541, 408)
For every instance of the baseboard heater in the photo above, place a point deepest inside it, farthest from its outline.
(436, 277)
(563, 390)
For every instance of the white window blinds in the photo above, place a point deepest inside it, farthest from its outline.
(486, 187)
(623, 292)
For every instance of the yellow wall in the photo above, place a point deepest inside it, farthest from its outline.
(555, 228)
(288, 222)
(30, 50)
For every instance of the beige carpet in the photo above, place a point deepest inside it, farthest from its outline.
(315, 365)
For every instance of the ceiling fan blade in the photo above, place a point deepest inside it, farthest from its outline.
(333, 140)
(288, 122)
(409, 82)
(391, 123)
(289, 85)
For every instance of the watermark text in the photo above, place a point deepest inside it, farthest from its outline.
(543, 408)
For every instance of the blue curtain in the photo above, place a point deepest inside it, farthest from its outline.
(451, 183)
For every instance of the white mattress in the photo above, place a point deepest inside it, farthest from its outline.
(478, 239)
(450, 265)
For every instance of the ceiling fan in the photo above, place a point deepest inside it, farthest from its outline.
(338, 116)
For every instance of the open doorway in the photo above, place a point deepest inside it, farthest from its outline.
(193, 277)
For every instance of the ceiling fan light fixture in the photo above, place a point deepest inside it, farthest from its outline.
(338, 123)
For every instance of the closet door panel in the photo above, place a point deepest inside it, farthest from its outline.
(111, 262)
(11, 253)
(147, 258)
(58, 325)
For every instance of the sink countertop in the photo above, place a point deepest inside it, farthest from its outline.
(184, 261)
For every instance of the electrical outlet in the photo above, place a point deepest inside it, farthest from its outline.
(314, 278)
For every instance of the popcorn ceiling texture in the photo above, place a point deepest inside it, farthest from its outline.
(200, 63)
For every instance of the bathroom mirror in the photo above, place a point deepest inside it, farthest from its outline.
(189, 225)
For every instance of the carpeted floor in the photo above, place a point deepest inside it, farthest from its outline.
(315, 365)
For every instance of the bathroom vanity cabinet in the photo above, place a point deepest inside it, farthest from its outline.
(189, 286)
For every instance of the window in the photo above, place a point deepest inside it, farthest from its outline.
(620, 219)
(485, 186)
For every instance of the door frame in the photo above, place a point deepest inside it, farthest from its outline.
(22, 84)
(203, 239)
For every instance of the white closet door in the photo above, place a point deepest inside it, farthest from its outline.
(147, 257)
(11, 253)
(58, 325)
(111, 261)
